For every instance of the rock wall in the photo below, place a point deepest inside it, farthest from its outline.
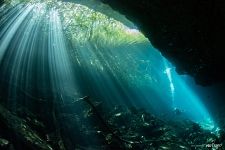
(189, 33)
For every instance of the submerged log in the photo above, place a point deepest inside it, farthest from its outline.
(22, 131)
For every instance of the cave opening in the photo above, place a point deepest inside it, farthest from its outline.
(75, 78)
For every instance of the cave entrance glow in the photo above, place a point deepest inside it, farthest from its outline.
(54, 55)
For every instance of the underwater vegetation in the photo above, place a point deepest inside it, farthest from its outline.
(74, 78)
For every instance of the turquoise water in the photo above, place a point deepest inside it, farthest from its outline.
(39, 61)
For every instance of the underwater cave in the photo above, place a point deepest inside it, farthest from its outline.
(111, 75)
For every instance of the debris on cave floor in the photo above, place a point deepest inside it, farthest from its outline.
(5, 144)
(117, 128)
(19, 131)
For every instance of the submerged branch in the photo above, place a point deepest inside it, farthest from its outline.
(87, 100)
(33, 97)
